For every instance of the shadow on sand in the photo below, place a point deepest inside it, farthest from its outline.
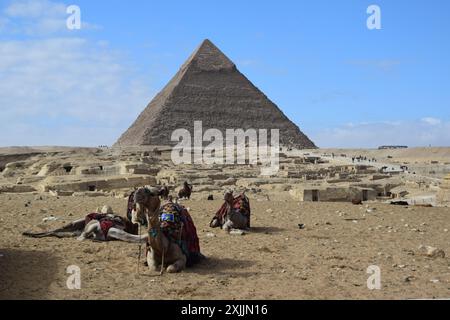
(26, 274)
(218, 266)
(267, 230)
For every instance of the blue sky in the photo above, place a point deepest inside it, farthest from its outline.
(343, 84)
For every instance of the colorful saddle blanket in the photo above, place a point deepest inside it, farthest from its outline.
(240, 203)
(107, 221)
(178, 226)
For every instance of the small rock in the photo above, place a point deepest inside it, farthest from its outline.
(211, 235)
(432, 252)
(47, 219)
(434, 280)
(301, 226)
(409, 278)
(237, 232)
(269, 210)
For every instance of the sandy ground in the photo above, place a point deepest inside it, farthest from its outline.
(276, 260)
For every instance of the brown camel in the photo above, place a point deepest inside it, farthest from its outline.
(160, 250)
(186, 191)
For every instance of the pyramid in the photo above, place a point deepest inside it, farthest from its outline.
(209, 88)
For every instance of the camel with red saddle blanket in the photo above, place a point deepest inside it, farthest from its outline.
(102, 225)
(234, 213)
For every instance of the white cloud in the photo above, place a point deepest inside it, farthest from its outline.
(60, 89)
(49, 83)
(37, 18)
(34, 9)
(431, 121)
(421, 132)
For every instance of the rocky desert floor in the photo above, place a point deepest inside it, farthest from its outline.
(328, 259)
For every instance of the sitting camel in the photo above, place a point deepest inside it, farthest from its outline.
(102, 226)
(172, 238)
(234, 213)
(186, 191)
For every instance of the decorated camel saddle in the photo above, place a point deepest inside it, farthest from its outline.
(177, 225)
(108, 221)
(101, 225)
(236, 209)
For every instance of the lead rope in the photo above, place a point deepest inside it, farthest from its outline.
(162, 262)
(140, 247)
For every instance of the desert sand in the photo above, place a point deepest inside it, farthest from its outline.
(327, 259)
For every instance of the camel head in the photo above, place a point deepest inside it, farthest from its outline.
(187, 185)
(146, 200)
(228, 197)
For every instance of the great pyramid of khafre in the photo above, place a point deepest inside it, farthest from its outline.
(209, 88)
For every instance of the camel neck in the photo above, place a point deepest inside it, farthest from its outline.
(156, 237)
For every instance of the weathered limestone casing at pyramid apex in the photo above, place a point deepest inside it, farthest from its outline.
(209, 88)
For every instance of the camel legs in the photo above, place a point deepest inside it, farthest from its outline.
(71, 230)
(179, 264)
(74, 226)
(235, 221)
(92, 228)
(121, 235)
(175, 253)
(151, 261)
(228, 225)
